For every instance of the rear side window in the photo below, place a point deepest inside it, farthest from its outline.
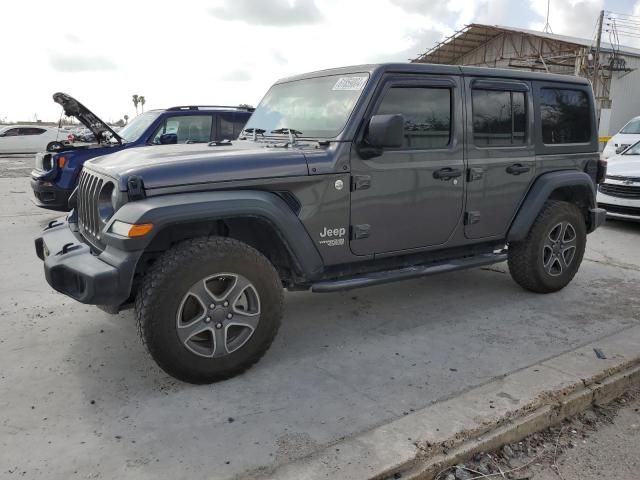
(499, 118)
(427, 115)
(33, 131)
(188, 128)
(565, 116)
(226, 131)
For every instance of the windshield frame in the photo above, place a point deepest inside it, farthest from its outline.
(363, 95)
(154, 114)
(635, 122)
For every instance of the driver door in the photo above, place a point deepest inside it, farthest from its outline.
(411, 197)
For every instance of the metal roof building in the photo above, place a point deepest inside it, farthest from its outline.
(618, 84)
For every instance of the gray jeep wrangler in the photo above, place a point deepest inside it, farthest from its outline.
(341, 179)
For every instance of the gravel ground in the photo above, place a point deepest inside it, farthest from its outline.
(601, 443)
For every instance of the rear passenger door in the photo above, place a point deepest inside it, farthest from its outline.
(500, 153)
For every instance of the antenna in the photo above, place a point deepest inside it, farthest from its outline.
(547, 26)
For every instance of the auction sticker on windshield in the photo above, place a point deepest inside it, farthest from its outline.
(350, 83)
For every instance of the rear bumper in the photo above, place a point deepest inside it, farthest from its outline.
(72, 269)
(49, 195)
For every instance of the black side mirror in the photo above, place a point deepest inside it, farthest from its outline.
(386, 131)
(168, 139)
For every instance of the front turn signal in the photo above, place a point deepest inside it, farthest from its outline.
(131, 230)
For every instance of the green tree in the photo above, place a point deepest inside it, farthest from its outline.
(136, 100)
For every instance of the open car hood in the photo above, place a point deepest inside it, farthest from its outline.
(73, 108)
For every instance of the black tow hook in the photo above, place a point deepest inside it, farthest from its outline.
(53, 224)
(68, 247)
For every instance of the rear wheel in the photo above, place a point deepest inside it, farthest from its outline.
(548, 259)
(209, 308)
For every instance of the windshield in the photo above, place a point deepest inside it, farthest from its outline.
(315, 107)
(635, 150)
(132, 131)
(633, 127)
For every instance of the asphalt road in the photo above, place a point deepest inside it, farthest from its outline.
(80, 398)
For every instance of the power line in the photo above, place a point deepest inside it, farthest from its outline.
(547, 26)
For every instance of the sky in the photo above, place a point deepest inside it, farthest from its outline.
(229, 51)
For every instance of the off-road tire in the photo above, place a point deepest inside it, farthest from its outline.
(167, 281)
(526, 257)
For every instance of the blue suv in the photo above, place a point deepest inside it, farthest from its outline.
(58, 169)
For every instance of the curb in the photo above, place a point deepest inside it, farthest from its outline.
(505, 410)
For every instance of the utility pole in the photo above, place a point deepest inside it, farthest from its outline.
(596, 61)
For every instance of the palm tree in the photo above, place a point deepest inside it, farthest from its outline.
(136, 100)
(126, 119)
(142, 101)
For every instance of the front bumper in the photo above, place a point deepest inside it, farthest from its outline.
(71, 268)
(619, 207)
(49, 195)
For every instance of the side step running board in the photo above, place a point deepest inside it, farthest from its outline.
(377, 278)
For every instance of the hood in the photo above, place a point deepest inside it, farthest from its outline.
(624, 166)
(173, 165)
(73, 108)
(624, 139)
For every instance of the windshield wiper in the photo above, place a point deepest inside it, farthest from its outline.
(255, 131)
(293, 134)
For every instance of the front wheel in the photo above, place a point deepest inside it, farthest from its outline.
(548, 259)
(209, 308)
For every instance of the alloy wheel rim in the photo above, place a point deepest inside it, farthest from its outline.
(559, 249)
(218, 315)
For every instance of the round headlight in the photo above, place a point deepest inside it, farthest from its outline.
(106, 206)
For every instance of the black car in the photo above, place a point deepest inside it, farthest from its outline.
(341, 179)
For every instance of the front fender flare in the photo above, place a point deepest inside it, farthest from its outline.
(540, 192)
(166, 210)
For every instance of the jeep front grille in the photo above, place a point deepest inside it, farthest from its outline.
(89, 222)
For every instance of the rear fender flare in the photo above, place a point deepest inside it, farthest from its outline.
(540, 192)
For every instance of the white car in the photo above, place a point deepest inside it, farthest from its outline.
(627, 136)
(28, 138)
(619, 194)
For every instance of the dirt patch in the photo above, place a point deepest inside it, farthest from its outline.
(541, 454)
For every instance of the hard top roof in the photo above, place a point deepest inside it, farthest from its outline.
(424, 68)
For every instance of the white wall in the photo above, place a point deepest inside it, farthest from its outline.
(625, 95)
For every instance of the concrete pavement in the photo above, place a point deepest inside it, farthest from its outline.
(80, 398)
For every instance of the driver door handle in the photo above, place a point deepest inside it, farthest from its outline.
(447, 173)
(517, 169)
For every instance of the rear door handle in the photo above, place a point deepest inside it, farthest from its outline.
(517, 169)
(447, 173)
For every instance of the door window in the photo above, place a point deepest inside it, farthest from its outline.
(189, 128)
(33, 131)
(565, 115)
(499, 118)
(226, 131)
(12, 132)
(427, 115)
